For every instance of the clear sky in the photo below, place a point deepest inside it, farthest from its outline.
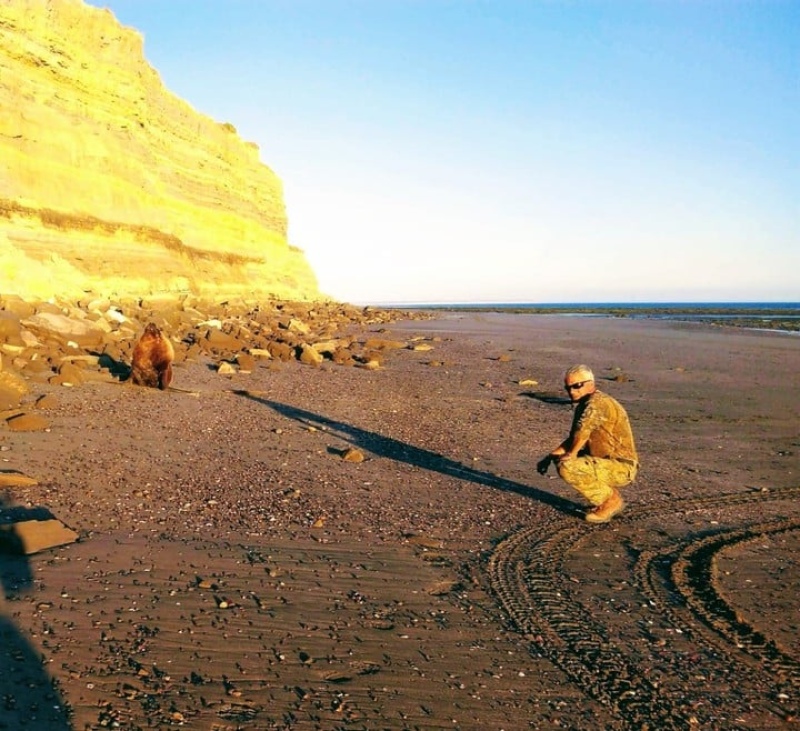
(511, 150)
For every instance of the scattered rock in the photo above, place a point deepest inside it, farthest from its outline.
(281, 351)
(246, 363)
(382, 344)
(309, 356)
(69, 374)
(297, 326)
(351, 454)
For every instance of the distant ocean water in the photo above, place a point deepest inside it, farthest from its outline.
(782, 316)
(580, 306)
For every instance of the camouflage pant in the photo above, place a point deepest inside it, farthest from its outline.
(595, 477)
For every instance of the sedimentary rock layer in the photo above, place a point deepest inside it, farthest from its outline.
(111, 184)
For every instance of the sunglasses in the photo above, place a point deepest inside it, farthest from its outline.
(575, 386)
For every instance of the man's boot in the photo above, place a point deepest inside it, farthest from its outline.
(607, 510)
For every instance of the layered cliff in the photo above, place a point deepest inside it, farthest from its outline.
(110, 184)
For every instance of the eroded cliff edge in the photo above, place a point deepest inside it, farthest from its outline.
(112, 185)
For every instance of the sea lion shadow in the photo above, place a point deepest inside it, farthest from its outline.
(403, 452)
(28, 691)
(117, 368)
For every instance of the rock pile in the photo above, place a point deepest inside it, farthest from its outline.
(73, 343)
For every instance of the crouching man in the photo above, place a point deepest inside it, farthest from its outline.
(599, 455)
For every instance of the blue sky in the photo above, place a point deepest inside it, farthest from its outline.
(511, 150)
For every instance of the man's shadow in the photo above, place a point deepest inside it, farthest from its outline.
(29, 698)
(425, 459)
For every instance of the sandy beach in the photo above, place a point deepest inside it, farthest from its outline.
(235, 571)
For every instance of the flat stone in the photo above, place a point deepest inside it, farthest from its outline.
(31, 536)
(16, 479)
(260, 353)
(27, 422)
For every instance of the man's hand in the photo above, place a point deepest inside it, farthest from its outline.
(543, 465)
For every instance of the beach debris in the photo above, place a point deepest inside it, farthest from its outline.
(527, 382)
(230, 688)
(337, 676)
(442, 588)
(423, 541)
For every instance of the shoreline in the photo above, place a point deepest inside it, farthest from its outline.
(780, 317)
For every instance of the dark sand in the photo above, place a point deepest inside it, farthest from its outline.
(234, 572)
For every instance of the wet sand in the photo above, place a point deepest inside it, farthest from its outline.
(235, 572)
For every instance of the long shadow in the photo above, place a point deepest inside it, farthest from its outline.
(29, 697)
(423, 458)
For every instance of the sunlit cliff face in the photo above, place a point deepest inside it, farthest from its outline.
(110, 184)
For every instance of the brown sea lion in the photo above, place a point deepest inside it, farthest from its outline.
(152, 359)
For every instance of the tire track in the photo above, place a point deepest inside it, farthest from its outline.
(676, 583)
(694, 576)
